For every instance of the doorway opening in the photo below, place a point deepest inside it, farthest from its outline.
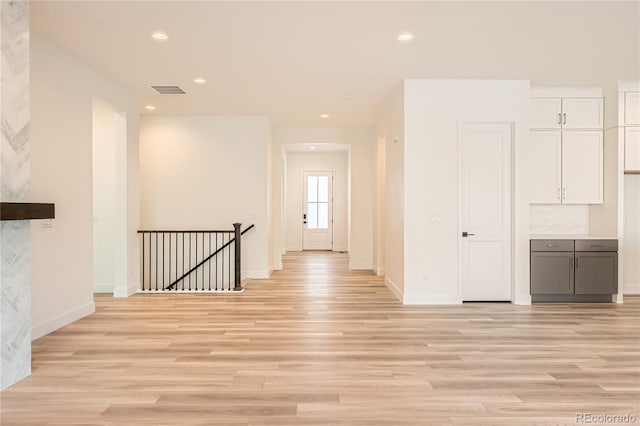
(316, 197)
(109, 142)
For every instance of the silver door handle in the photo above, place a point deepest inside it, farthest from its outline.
(558, 191)
(467, 234)
(571, 262)
(565, 118)
(564, 193)
(577, 262)
(559, 118)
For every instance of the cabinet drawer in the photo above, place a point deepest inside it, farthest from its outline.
(551, 245)
(596, 245)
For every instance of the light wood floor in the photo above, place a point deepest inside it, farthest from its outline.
(319, 345)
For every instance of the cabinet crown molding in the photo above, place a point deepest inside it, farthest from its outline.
(628, 86)
(565, 92)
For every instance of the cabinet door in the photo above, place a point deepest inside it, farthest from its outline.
(545, 113)
(632, 149)
(582, 113)
(552, 273)
(596, 273)
(546, 166)
(582, 162)
(632, 108)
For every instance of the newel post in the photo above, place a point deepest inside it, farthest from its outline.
(238, 255)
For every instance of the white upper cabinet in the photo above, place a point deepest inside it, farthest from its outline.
(582, 113)
(632, 149)
(545, 113)
(582, 163)
(632, 108)
(566, 113)
(546, 158)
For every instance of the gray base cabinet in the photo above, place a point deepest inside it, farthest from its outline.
(553, 273)
(596, 273)
(573, 270)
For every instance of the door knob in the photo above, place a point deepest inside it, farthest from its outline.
(467, 234)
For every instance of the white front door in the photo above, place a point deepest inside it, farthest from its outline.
(317, 218)
(485, 211)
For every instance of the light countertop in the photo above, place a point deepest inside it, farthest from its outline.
(570, 237)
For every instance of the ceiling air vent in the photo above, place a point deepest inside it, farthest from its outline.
(169, 90)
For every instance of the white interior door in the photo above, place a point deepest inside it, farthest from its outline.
(485, 211)
(317, 218)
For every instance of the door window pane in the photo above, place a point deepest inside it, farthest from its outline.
(323, 189)
(323, 215)
(312, 215)
(312, 188)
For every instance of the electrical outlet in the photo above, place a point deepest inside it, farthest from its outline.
(46, 224)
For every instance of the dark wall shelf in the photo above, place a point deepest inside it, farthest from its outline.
(27, 211)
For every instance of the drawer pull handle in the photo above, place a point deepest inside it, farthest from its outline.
(597, 245)
(551, 245)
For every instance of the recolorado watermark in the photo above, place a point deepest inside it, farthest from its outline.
(604, 418)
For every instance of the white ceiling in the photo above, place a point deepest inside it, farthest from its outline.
(296, 60)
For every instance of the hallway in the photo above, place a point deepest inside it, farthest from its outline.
(318, 344)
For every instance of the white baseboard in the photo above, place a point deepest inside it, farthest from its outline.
(60, 321)
(103, 288)
(631, 288)
(277, 267)
(360, 266)
(381, 272)
(394, 289)
(256, 275)
(132, 288)
(432, 299)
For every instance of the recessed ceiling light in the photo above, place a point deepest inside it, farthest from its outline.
(312, 148)
(405, 36)
(199, 80)
(350, 94)
(150, 107)
(324, 115)
(159, 36)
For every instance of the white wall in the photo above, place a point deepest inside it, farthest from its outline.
(362, 146)
(62, 93)
(297, 163)
(389, 235)
(631, 240)
(207, 172)
(432, 111)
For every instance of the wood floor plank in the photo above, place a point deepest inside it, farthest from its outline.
(317, 344)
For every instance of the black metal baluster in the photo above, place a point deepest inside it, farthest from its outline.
(149, 261)
(142, 261)
(156, 261)
(189, 260)
(196, 272)
(222, 270)
(209, 261)
(229, 263)
(183, 260)
(203, 265)
(163, 282)
(176, 286)
(169, 256)
(216, 262)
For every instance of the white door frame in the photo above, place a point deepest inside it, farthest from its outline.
(461, 124)
(304, 200)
